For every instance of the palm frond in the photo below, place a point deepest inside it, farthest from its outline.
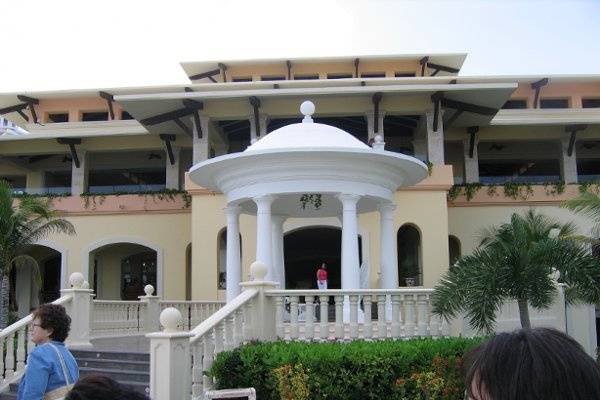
(587, 204)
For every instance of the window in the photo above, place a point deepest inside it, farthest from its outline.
(518, 170)
(588, 169)
(339, 76)
(409, 256)
(94, 116)
(242, 79)
(272, 78)
(137, 271)
(515, 104)
(404, 74)
(590, 103)
(58, 117)
(373, 75)
(125, 115)
(306, 77)
(554, 103)
(454, 249)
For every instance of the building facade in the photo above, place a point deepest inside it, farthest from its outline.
(114, 162)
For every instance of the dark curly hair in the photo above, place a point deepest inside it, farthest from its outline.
(53, 316)
(99, 387)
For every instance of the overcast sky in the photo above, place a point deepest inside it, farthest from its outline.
(64, 44)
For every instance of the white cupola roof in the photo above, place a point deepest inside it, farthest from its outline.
(307, 134)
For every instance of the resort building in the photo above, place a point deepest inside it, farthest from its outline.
(116, 163)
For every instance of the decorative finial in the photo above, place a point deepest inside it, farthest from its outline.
(307, 108)
(170, 318)
(149, 290)
(378, 143)
(258, 270)
(76, 280)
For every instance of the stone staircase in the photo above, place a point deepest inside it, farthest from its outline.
(128, 368)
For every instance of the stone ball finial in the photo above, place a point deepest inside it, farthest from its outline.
(258, 270)
(170, 318)
(149, 290)
(307, 108)
(86, 285)
(378, 139)
(76, 280)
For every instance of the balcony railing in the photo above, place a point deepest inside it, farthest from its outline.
(66, 190)
(109, 189)
(499, 180)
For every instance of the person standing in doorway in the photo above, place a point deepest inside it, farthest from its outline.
(322, 277)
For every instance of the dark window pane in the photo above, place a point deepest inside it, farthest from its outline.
(591, 103)
(530, 171)
(554, 103)
(272, 78)
(242, 79)
(126, 115)
(404, 74)
(94, 116)
(305, 77)
(58, 117)
(515, 104)
(588, 170)
(339, 76)
(373, 75)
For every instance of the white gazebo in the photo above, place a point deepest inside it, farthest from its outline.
(308, 170)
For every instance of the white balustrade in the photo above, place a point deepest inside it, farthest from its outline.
(193, 312)
(117, 318)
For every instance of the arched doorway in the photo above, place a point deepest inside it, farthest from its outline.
(410, 272)
(120, 271)
(304, 251)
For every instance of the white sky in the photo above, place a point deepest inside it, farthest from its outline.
(66, 44)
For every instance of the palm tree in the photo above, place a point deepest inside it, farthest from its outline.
(587, 204)
(519, 260)
(22, 224)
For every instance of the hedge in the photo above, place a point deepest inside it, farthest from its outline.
(391, 369)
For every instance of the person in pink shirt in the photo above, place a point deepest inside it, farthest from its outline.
(322, 277)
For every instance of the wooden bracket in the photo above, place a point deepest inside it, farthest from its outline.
(223, 69)
(356, 63)
(472, 130)
(537, 86)
(436, 98)
(376, 100)
(288, 64)
(423, 61)
(109, 101)
(71, 142)
(573, 129)
(31, 102)
(168, 139)
(255, 103)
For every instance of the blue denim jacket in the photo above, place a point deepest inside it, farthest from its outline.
(44, 373)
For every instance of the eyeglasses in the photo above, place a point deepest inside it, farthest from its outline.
(34, 325)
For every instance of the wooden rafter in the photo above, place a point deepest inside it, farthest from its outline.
(376, 100)
(168, 139)
(183, 127)
(71, 142)
(454, 117)
(537, 86)
(16, 107)
(356, 63)
(573, 129)
(207, 74)
(109, 101)
(472, 130)
(288, 64)
(423, 61)
(436, 98)
(255, 103)
(31, 102)
(438, 67)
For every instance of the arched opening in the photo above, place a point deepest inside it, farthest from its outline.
(304, 251)
(26, 292)
(120, 271)
(222, 259)
(410, 270)
(454, 249)
(188, 272)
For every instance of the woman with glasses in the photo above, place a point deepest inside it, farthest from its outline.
(531, 364)
(51, 368)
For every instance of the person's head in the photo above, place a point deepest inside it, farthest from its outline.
(99, 387)
(324, 266)
(50, 322)
(532, 364)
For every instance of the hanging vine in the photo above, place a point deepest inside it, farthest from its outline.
(313, 198)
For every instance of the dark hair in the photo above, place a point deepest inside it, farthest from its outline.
(532, 364)
(100, 387)
(54, 316)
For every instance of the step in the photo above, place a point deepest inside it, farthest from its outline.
(102, 363)
(111, 355)
(117, 374)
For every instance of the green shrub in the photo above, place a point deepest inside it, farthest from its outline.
(404, 369)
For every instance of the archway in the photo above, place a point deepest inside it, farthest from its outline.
(410, 272)
(454, 249)
(306, 248)
(120, 271)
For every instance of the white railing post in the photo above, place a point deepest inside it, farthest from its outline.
(151, 313)
(264, 313)
(170, 361)
(80, 311)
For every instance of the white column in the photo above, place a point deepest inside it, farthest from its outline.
(79, 176)
(233, 263)
(471, 163)
(350, 262)
(388, 254)
(435, 140)
(263, 231)
(201, 146)
(277, 250)
(172, 170)
(568, 164)
(80, 310)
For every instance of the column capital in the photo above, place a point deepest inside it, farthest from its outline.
(278, 218)
(348, 199)
(232, 210)
(264, 200)
(387, 209)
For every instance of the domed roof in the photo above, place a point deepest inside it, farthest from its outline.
(307, 134)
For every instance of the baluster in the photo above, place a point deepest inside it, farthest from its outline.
(435, 326)
(9, 361)
(247, 327)
(422, 315)
(207, 360)
(396, 327)
(197, 350)
(381, 319)
(228, 332)
(238, 334)
(324, 308)
(294, 326)
(218, 336)
(368, 326)
(1, 359)
(353, 316)
(339, 317)
(409, 313)
(21, 349)
(279, 327)
(309, 332)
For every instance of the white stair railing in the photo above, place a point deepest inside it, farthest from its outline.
(193, 312)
